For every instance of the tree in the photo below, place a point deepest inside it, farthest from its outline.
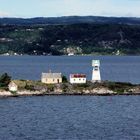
(64, 79)
(5, 79)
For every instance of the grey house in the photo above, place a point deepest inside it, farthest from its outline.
(51, 78)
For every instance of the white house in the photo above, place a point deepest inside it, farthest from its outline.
(96, 77)
(51, 78)
(12, 86)
(78, 78)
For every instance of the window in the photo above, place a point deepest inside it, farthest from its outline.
(96, 68)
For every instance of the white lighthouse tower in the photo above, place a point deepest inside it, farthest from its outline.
(96, 77)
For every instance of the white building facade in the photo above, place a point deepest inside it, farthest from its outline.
(96, 76)
(78, 78)
(12, 86)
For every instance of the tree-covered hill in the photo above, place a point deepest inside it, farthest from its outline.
(70, 20)
(81, 38)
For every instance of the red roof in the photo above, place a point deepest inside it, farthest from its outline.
(78, 76)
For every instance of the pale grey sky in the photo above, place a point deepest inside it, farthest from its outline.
(53, 8)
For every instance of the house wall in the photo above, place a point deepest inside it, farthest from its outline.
(51, 80)
(13, 88)
(77, 80)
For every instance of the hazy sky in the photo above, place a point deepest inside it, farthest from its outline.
(49, 8)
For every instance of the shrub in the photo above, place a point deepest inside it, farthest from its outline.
(50, 87)
(65, 87)
(14, 93)
(29, 87)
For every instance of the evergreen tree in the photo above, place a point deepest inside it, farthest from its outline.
(64, 79)
(4, 80)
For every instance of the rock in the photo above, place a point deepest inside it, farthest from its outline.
(102, 91)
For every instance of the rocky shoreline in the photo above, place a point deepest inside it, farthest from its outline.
(107, 88)
(29, 93)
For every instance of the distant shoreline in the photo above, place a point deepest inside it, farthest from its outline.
(69, 56)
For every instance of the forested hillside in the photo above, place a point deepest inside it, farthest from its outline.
(81, 38)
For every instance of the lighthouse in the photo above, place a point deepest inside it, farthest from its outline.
(96, 77)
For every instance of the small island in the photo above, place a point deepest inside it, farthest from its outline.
(37, 88)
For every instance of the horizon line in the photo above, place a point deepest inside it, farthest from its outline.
(69, 16)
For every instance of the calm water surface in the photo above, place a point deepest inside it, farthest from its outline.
(114, 68)
(70, 118)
